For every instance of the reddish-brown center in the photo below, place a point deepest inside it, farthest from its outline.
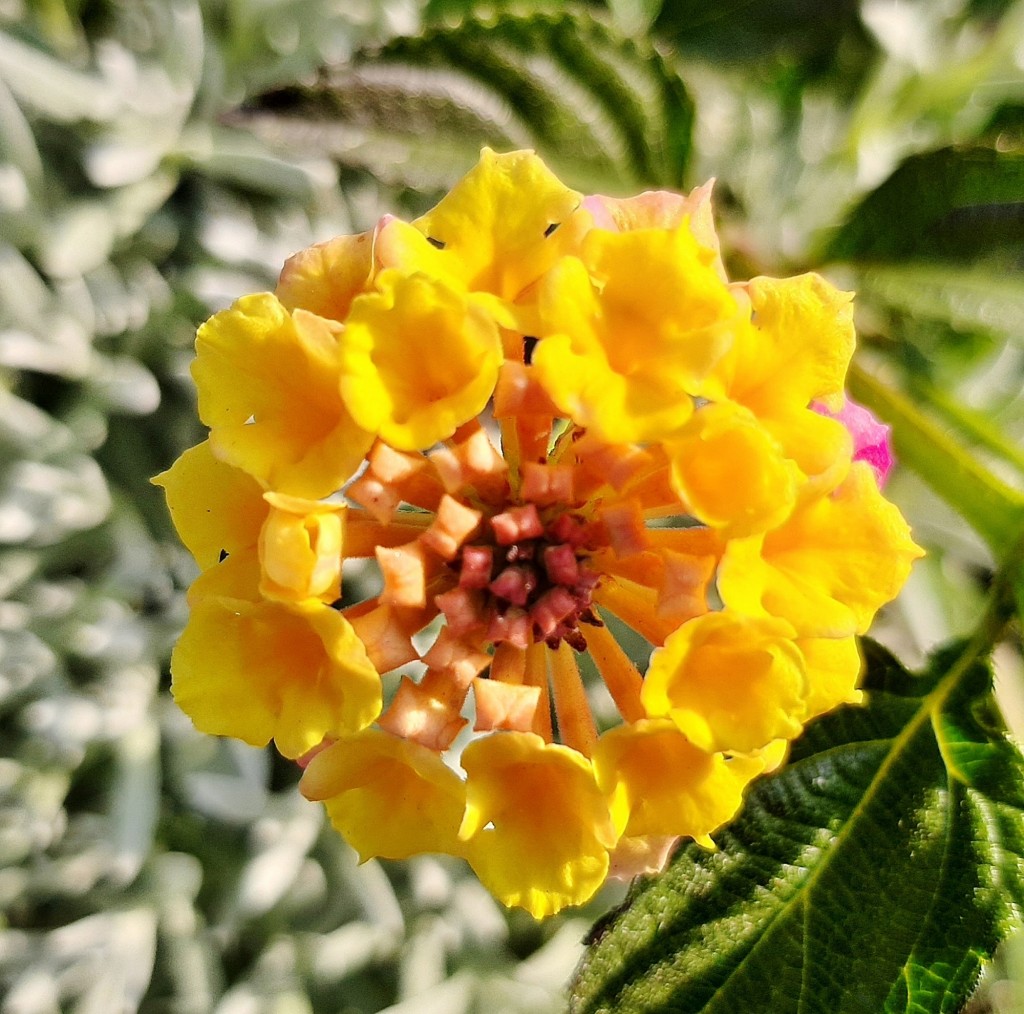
(526, 579)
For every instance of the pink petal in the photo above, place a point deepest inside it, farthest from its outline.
(872, 441)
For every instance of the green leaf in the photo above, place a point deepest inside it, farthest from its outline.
(956, 204)
(977, 427)
(740, 30)
(977, 299)
(606, 112)
(876, 872)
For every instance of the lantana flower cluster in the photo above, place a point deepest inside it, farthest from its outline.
(556, 427)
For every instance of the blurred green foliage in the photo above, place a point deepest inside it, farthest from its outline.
(159, 158)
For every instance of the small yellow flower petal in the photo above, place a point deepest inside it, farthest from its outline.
(774, 755)
(661, 209)
(830, 567)
(215, 507)
(730, 471)
(257, 670)
(388, 797)
(821, 447)
(419, 359)
(300, 548)
(268, 390)
(659, 783)
(630, 330)
(493, 231)
(548, 846)
(796, 350)
(833, 669)
(326, 277)
(729, 682)
(793, 352)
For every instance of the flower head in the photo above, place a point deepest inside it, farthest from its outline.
(545, 422)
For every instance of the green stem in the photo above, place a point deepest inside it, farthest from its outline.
(993, 509)
(975, 426)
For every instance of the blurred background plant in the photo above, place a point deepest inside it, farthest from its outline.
(158, 158)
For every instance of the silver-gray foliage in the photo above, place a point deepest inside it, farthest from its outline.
(143, 866)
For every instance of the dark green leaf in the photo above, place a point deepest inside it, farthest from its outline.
(605, 112)
(741, 30)
(957, 204)
(876, 872)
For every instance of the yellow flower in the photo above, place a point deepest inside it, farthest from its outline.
(660, 784)
(660, 209)
(729, 682)
(325, 278)
(797, 349)
(552, 428)
(498, 230)
(630, 331)
(731, 472)
(388, 796)
(538, 821)
(268, 385)
(418, 360)
(217, 509)
(258, 670)
(830, 567)
(300, 548)
(794, 353)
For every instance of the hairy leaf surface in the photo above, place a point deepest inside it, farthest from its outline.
(605, 112)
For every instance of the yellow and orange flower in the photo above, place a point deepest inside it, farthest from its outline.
(552, 427)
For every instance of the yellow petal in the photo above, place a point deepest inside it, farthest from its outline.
(268, 390)
(658, 783)
(236, 576)
(493, 231)
(215, 507)
(547, 846)
(388, 797)
(326, 277)
(660, 209)
(258, 670)
(731, 472)
(729, 682)
(830, 567)
(631, 330)
(300, 549)
(419, 359)
(833, 670)
(796, 350)
(820, 446)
